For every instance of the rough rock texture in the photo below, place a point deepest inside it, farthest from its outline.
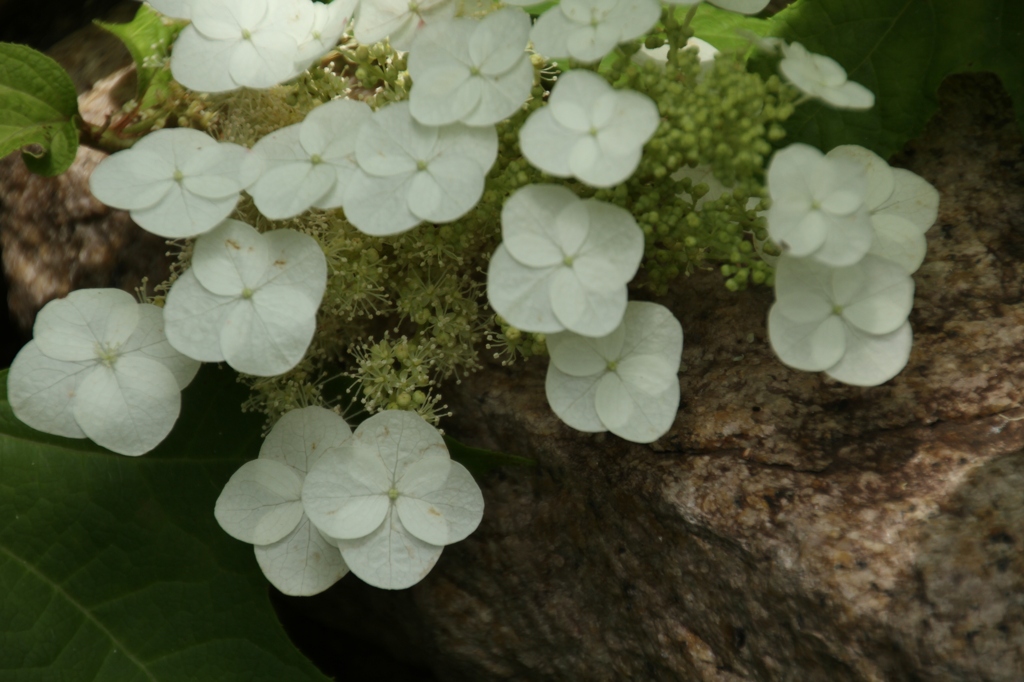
(789, 527)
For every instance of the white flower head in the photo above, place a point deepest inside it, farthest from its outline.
(262, 503)
(399, 20)
(822, 77)
(902, 205)
(329, 24)
(475, 72)
(100, 367)
(739, 6)
(564, 262)
(410, 172)
(175, 182)
(818, 206)
(309, 163)
(589, 130)
(392, 498)
(849, 322)
(625, 382)
(249, 299)
(241, 43)
(587, 30)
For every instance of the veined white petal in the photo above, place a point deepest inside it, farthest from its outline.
(573, 399)
(871, 360)
(230, 259)
(303, 563)
(260, 503)
(193, 318)
(301, 437)
(390, 557)
(149, 341)
(85, 323)
(810, 346)
(42, 391)
(521, 294)
(461, 502)
(634, 414)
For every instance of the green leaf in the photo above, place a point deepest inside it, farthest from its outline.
(38, 106)
(479, 461)
(148, 40)
(113, 568)
(723, 29)
(901, 50)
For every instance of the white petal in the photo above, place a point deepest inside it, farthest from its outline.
(391, 142)
(379, 206)
(652, 329)
(130, 179)
(849, 95)
(803, 276)
(268, 334)
(449, 188)
(77, 327)
(574, 96)
(287, 190)
(588, 43)
(479, 144)
(201, 64)
(521, 294)
(422, 520)
(181, 214)
(42, 391)
(550, 34)
(400, 439)
(847, 239)
(880, 179)
(301, 437)
(420, 517)
(297, 264)
(216, 172)
(265, 60)
(913, 198)
(583, 310)
(633, 18)
(437, 98)
(628, 121)
(876, 294)
(502, 96)
(582, 356)
(260, 503)
(499, 41)
(379, 18)
(303, 563)
(225, 19)
(149, 341)
(588, 163)
(573, 399)
(175, 9)
(345, 494)
(899, 240)
(193, 318)
(610, 256)
(546, 144)
(650, 374)
(129, 408)
(872, 360)
(422, 475)
(441, 45)
(461, 502)
(231, 258)
(633, 414)
(390, 557)
(332, 129)
(810, 346)
(804, 307)
(528, 225)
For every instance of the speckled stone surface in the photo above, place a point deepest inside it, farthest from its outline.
(789, 527)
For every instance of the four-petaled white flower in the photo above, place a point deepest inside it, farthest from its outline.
(241, 43)
(309, 163)
(587, 30)
(476, 72)
(100, 367)
(625, 382)
(740, 6)
(849, 322)
(392, 499)
(410, 172)
(175, 182)
(903, 206)
(822, 77)
(818, 206)
(399, 20)
(262, 503)
(564, 262)
(589, 130)
(249, 299)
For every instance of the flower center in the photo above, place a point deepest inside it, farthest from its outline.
(393, 493)
(612, 365)
(106, 354)
(316, 159)
(837, 310)
(247, 292)
(421, 165)
(414, 6)
(246, 34)
(474, 71)
(178, 175)
(593, 130)
(567, 261)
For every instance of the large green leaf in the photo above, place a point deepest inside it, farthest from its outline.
(148, 40)
(113, 568)
(38, 107)
(901, 50)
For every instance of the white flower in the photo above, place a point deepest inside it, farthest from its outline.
(100, 367)
(589, 130)
(740, 6)
(309, 163)
(822, 77)
(564, 262)
(587, 30)
(175, 182)
(249, 299)
(392, 498)
(476, 72)
(625, 382)
(849, 322)
(329, 23)
(903, 206)
(818, 206)
(241, 43)
(411, 172)
(262, 503)
(399, 20)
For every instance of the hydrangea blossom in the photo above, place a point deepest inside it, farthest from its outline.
(309, 163)
(624, 382)
(392, 498)
(587, 30)
(399, 20)
(241, 43)
(849, 322)
(902, 205)
(410, 172)
(99, 366)
(175, 182)
(476, 72)
(818, 206)
(740, 6)
(564, 262)
(262, 503)
(823, 78)
(249, 299)
(589, 130)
